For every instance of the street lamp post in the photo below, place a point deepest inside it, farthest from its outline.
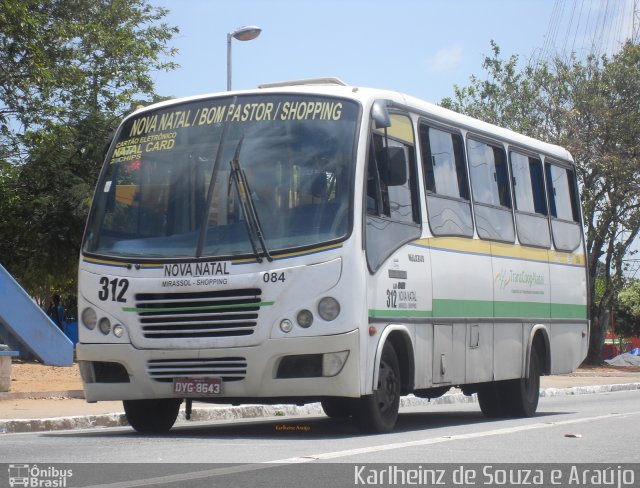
(246, 33)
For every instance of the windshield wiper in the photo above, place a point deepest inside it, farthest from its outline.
(252, 221)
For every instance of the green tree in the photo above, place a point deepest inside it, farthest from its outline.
(63, 59)
(593, 109)
(627, 316)
(69, 71)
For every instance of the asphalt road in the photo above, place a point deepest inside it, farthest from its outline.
(598, 428)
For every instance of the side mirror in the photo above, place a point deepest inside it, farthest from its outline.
(380, 115)
(392, 165)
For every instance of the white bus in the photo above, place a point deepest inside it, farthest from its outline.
(313, 241)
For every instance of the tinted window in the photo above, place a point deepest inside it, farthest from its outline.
(489, 176)
(443, 162)
(397, 201)
(562, 195)
(528, 184)
(167, 189)
(491, 192)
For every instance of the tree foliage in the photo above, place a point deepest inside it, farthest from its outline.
(69, 71)
(593, 109)
(627, 316)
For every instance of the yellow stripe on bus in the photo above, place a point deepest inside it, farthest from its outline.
(498, 249)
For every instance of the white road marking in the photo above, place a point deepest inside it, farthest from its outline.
(438, 440)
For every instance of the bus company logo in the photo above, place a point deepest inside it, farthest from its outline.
(503, 278)
(35, 477)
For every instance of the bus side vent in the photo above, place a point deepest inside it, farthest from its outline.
(229, 369)
(225, 313)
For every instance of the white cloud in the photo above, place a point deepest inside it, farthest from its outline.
(445, 59)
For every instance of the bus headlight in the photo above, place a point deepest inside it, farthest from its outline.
(304, 318)
(89, 318)
(118, 330)
(104, 325)
(333, 362)
(286, 325)
(329, 308)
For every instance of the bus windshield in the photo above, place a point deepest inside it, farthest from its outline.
(169, 189)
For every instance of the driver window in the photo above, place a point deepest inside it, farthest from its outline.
(393, 200)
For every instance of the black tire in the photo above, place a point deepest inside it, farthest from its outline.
(152, 416)
(336, 408)
(522, 395)
(491, 400)
(378, 413)
(513, 398)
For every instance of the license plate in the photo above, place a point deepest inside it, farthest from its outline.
(197, 387)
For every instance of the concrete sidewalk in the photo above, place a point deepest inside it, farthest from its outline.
(61, 410)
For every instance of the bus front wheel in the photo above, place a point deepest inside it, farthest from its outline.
(336, 408)
(155, 416)
(378, 412)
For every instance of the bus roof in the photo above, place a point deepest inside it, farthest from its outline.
(366, 96)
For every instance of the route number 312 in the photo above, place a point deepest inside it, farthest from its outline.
(114, 289)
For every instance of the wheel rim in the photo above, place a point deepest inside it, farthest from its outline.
(386, 393)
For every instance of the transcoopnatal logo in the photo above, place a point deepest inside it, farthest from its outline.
(32, 476)
(506, 277)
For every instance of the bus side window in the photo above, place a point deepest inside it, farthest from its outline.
(387, 195)
(563, 206)
(491, 192)
(529, 200)
(448, 204)
(392, 203)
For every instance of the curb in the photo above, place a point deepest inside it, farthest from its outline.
(258, 411)
(42, 395)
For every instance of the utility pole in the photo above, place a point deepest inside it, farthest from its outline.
(635, 35)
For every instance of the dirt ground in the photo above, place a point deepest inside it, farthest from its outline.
(35, 377)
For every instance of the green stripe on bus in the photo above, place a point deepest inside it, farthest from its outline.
(400, 313)
(486, 308)
(564, 311)
(522, 309)
(196, 309)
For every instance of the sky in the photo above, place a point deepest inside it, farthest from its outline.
(419, 47)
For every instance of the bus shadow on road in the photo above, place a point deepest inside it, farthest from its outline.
(319, 427)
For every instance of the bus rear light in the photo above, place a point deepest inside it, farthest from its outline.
(333, 362)
(329, 308)
(304, 318)
(104, 325)
(89, 318)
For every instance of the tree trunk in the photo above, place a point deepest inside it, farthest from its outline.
(599, 326)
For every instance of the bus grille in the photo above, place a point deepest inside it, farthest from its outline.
(229, 369)
(224, 313)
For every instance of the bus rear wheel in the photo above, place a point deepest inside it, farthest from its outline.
(513, 398)
(491, 400)
(155, 416)
(378, 412)
(522, 395)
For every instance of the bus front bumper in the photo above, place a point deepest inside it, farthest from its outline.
(289, 368)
